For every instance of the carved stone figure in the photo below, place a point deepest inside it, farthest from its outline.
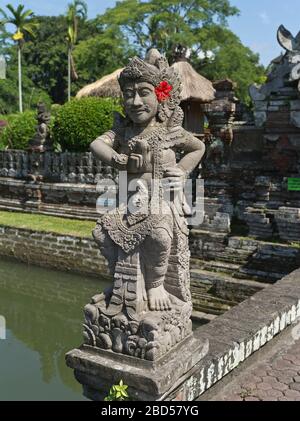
(147, 311)
(41, 141)
(284, 70)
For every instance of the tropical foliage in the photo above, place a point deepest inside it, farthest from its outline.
(20, 129)
(165, 24)
(76, 10)
(79, 122)
(118, 392)
(71, 51)
(24, 26)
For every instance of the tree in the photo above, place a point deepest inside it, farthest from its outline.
(199, 26)
(76, 10)
(31, 93)
(96, 54)
(232, 60)
(22, 20)
(165, 24)
(46, 55)
(4, 38)
(100, 55)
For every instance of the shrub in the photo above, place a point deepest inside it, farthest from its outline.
(118, 392)
(19, 131)
(80, 121)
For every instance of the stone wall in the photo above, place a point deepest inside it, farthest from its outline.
(224, 272)
(249, 158)
(81, 255)
(236, 335)
(246, 181)
(243, 258)
(71, 200)
(64, 167)
(66, 253)
(61, 184)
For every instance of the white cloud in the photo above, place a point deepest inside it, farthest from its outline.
(265, 18)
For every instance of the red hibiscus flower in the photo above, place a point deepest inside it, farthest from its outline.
(163, 91)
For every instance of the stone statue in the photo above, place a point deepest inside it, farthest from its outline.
(284, 70)
(147, 311)
(41, 141)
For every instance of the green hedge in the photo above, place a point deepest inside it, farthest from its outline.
(80, 121)
(20, 130)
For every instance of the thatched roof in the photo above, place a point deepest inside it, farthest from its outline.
(108, 86)
(195, 86)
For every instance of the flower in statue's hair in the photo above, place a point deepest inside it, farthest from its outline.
(163, 91)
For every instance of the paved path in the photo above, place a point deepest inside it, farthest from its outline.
(273, 375)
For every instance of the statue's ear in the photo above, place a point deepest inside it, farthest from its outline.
(286, 39)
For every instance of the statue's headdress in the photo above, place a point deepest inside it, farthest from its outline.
(165, 79)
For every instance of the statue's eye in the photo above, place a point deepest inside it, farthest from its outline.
(129, 94)
(144, 92)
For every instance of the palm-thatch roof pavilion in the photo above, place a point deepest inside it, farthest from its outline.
(107, 86)
(196, 91)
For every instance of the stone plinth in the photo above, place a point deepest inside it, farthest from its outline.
(288, 223)
(97, 370)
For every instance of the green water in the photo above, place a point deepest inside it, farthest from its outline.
(43, 312)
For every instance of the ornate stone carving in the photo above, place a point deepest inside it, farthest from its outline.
(147, 311)
(284, 70)
(41, 141)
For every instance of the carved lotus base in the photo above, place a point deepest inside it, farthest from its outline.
(149, 335)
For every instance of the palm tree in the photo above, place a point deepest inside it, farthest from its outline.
(76, 10)
(22, 20)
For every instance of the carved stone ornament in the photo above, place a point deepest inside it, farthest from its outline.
(147, 311)
(41, 141)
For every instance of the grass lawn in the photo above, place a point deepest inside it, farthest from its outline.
(47, 223)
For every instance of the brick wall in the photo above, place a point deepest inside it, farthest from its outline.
(52, 250)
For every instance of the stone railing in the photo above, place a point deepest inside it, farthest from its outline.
(65, 167)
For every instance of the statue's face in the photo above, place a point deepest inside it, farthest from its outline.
(140, 101)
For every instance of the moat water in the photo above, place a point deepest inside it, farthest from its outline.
(43, 314)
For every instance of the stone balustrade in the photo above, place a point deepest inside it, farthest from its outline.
(64, 167)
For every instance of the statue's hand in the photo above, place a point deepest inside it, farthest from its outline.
(120, 161)
(140, 160)
(174, 179)
(135, 163)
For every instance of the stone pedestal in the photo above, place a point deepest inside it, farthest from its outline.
(97, 370)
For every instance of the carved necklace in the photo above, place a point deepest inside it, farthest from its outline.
(155, 139)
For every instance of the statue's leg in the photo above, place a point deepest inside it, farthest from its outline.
(155, 257)
(107, 247)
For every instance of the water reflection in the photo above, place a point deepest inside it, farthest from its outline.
(43, 312)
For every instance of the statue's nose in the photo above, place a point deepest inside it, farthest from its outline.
(137, 100)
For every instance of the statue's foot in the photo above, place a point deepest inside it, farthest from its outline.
(159, 299)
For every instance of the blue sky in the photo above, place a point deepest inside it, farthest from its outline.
(256, 26)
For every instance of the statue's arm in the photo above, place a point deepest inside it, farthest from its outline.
(104, 149)
(194, 150)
